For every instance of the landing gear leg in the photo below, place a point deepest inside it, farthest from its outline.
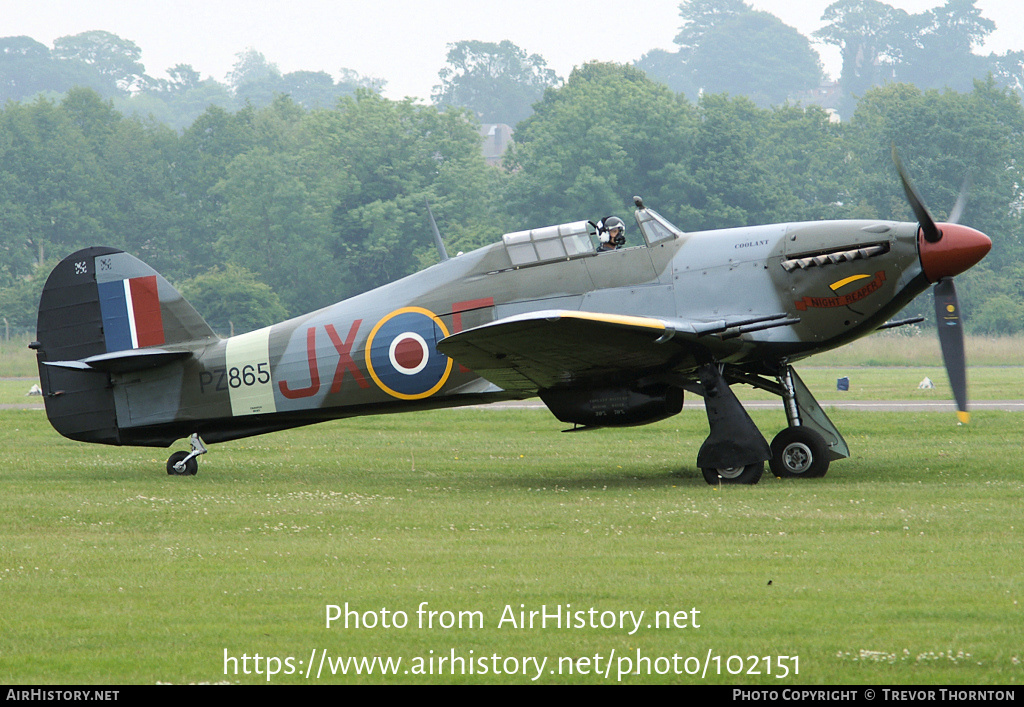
(800, 450)
(184, 463)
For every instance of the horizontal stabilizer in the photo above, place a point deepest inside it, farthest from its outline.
(124, 361)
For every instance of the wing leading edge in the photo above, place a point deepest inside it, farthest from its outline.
(539, 350)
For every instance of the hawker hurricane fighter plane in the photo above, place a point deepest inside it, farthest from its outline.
(607, 337)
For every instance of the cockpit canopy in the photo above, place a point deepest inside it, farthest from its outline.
(578, 239)
(541, 245)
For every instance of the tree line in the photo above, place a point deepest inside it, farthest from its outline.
(111, 66)
(723, 46)
(268, 209)
(727, 46)
(317, 205)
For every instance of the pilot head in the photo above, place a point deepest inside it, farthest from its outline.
(614, 231)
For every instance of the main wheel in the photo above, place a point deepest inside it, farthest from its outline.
(191, 466)
(799, 452)
(749, 474)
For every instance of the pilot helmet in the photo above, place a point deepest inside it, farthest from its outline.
(609, 224)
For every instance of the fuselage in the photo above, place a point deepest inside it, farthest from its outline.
(376, 352)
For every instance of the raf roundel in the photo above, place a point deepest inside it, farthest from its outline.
(401, 355)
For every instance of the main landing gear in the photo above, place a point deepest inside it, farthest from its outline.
(800, 450)
(185, 463)
(735, 450)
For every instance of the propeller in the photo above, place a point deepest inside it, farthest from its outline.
(947, 251)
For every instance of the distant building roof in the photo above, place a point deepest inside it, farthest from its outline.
(497, 137)
(828, 95)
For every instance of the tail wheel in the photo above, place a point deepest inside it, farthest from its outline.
(190, 468)
(749, 474)
(799, 452)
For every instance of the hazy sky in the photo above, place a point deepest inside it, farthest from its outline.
(405, 41)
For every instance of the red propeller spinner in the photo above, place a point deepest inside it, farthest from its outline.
(958, 248)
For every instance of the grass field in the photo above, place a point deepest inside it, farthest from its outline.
(16, 359)
(902, 566)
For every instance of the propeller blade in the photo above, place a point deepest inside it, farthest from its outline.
(951, 340)
(961, 201)
(932, 234)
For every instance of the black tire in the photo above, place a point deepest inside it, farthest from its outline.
(191, 466)
(799, 452)
(749, 475)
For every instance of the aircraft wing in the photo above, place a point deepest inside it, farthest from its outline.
(542, 349)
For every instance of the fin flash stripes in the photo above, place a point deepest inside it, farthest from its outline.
(131, 313)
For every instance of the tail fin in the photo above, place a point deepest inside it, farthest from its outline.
(103, 300)
(103, 310)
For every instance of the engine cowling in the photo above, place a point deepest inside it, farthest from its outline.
(614, 406)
